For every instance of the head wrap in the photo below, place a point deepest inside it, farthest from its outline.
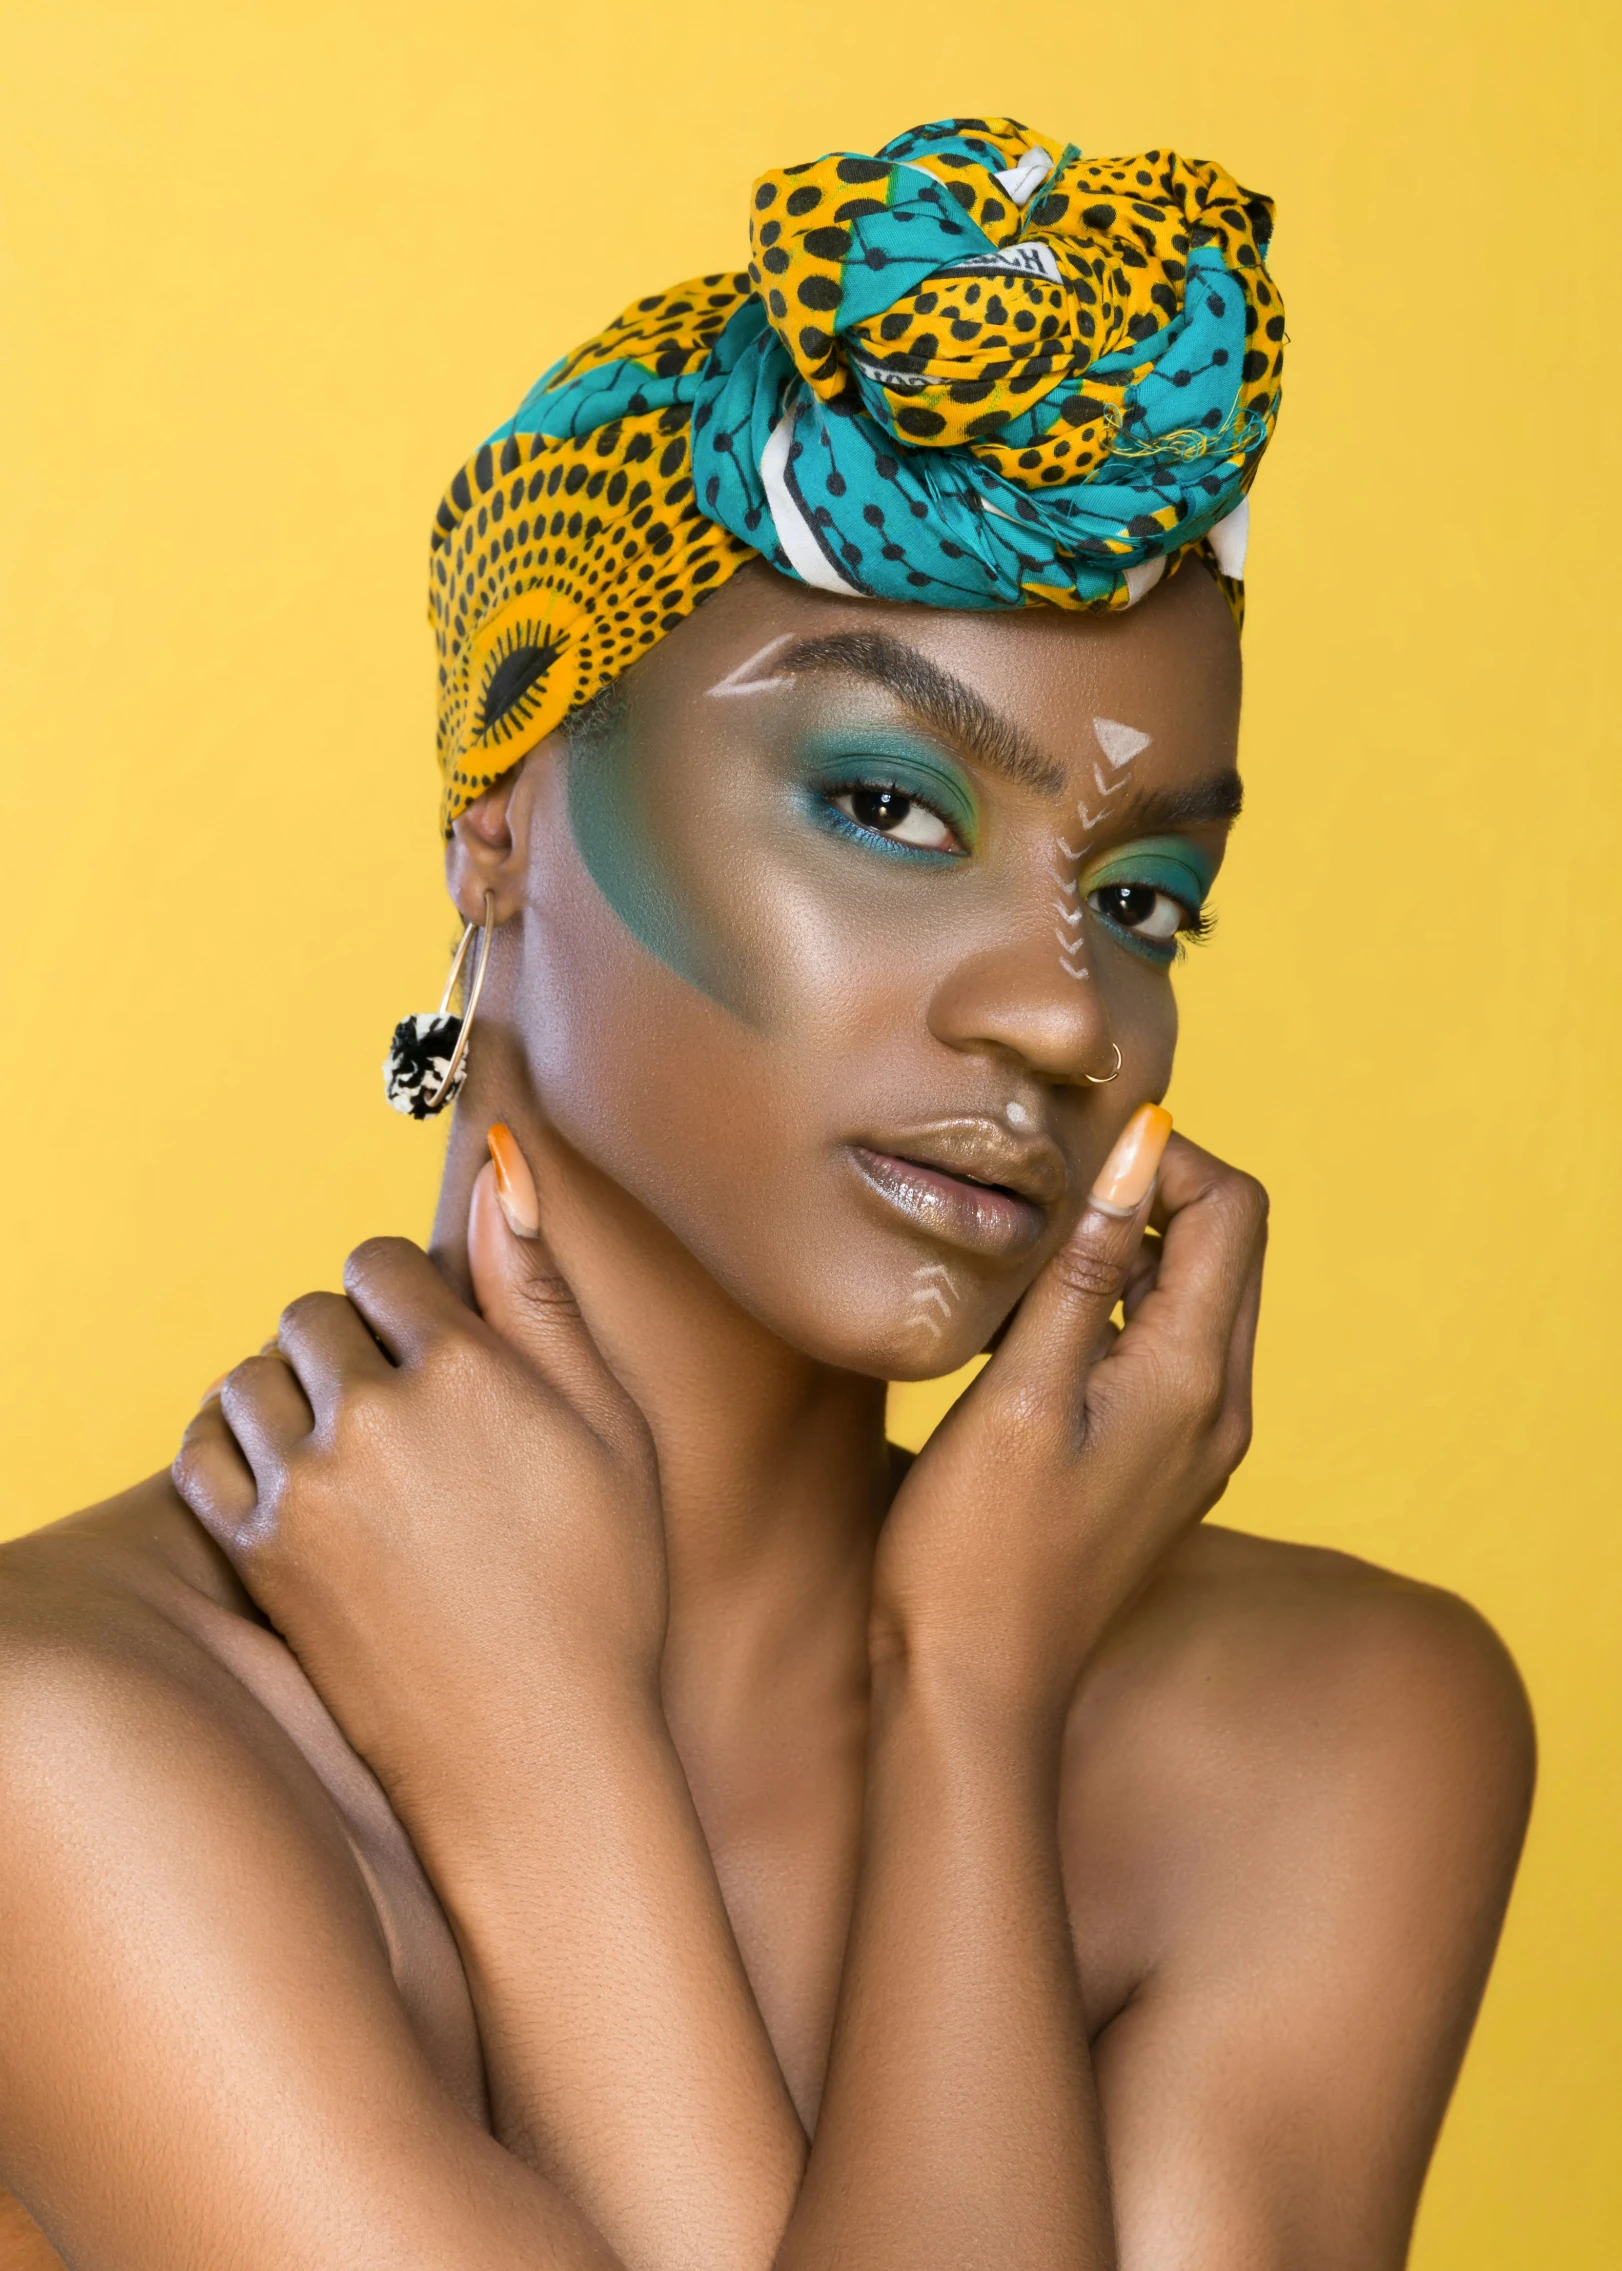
(973, 370)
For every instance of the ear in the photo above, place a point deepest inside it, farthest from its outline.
(489, 849)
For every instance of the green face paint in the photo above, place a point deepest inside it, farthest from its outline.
(616, 833)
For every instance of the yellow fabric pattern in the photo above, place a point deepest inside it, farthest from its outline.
(973, 370)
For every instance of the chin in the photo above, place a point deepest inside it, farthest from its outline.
(916, 1322)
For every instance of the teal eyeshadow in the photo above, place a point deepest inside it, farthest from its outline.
(1164, 863)
(830, 763)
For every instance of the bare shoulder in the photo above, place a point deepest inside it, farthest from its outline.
(116, 1637)
(1301, 1652)
(204, 1905)
(1280, 1740)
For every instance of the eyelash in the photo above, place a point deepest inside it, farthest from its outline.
(842, 824)
(1194, 930)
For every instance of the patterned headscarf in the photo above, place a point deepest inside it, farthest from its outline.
(974, 370)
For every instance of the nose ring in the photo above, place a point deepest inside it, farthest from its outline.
(1103, 1079)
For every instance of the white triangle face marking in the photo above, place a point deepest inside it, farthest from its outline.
(1120, 743)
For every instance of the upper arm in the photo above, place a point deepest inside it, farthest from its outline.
(203, 2057)
(1272, 2095)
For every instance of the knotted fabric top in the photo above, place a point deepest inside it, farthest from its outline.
(973, 370)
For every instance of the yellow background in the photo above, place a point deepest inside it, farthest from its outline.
(268, 271)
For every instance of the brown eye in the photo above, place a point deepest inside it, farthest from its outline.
(1139, 908)
(890, 812)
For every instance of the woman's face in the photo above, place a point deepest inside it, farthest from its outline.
(830, 920)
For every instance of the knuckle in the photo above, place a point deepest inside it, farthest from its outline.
(305, 1308)
(1089, 1272)
(548, 1296)
(373, 1256)
(1244, 1200)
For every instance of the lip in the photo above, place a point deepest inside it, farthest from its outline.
(967, 1181)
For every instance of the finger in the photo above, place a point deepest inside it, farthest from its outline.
(1061, 1321)
(211, 1474)
(1213, 1221)
(266, 1410)
(1141, 1276)
(405, 1303)
(1242, 1344)
(521, 1291)
(329, 1346)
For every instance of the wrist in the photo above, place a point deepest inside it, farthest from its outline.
(1006, 1665)
(551, 1758)
(980, 1711)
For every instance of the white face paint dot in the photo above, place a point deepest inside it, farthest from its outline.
(1018, 1117)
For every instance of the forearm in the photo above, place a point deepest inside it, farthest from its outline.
(626, 2057)
(959, 2124)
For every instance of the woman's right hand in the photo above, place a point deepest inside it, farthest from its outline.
(454, 1519)
(1081, 1454)
(450, 1516)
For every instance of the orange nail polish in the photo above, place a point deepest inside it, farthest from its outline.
(515, 1185)
(213, 1388)
(1128, 1174)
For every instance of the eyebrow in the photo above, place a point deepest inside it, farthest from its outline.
(936, 698)
(1220, 796)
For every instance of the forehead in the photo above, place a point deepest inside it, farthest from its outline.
(1168, 668)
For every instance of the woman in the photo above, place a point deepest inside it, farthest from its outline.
(541, 1785)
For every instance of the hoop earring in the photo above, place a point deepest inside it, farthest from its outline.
(427, 1060)
(1103, 1079)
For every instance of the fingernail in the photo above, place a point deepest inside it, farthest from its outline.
(1128, 1173)
(515, 1185)
(212, 1389)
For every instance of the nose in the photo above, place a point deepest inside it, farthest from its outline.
(1029, 1002)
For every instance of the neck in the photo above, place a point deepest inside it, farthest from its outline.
(774, 1472)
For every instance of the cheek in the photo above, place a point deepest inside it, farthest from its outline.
(730, 1129)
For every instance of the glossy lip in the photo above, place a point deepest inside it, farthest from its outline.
(967, 1181)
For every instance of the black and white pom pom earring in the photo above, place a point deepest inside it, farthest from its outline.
(427, 1060)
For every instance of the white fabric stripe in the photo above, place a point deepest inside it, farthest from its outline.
(1024, 178)
(805, 555)
(1230, 541)
(1144, 578)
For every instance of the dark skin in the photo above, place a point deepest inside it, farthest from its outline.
(1007, 1868)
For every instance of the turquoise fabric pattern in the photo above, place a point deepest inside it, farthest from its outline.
(974, 370)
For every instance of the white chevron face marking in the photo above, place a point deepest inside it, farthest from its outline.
(934, 1295)
(746, 679)
(1120, 743)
